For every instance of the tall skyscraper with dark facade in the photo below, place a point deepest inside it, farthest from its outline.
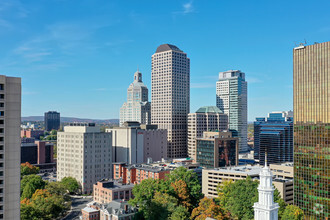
(311, 93)
(274, 135)
(52, 120)
(231, 96)
(170, 96)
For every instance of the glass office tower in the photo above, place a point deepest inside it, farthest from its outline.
(311, 80)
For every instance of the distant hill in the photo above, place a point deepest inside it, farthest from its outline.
(71, 119)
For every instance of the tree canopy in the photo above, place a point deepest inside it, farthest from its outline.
(172, 198)
(27, 169)
(70, 183)
(208, 208)
(292, 212)
(29, 184)
(239, 197)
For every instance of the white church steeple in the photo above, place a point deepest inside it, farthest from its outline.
(266, 208)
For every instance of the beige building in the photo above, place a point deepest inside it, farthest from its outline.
(135, 143)
(170, 96)
(10, 147)
(85, 153)
(282, 173)
(207, 118)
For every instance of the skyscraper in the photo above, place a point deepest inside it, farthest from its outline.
(10, 150)
(137, 107)
(170, 96)
(52, 120)
(232, 100)
(274, 135)
(207, 118)
(311, 86)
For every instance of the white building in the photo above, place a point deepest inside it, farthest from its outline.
(85, 153)
(266, 208)
(207, 118)
(137, 107)
(231, 96)
(10, 147)
(170, 94)
(135, 143)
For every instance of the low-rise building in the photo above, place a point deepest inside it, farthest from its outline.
(137, 172)
(30, 133)
(106, 191)
(211, 178)
(114, 210)
(217, 149)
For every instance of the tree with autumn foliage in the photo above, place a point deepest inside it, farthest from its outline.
(28, 169)
(43, 205)
(208, 208)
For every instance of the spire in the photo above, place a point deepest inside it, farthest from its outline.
(266, 159)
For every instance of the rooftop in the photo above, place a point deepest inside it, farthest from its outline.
(166, 47)
(209, 109)
(248, 170)
(89, 209)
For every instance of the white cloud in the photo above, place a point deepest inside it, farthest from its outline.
(188, 8)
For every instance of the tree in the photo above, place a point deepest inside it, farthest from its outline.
(292, 212)
(43, 205)
(163, 205)
(189, 177)
(27, 169)
(70, 184)
(143, 195)
(180, 213)
(181, 190)
(208, 208)
(57, 188)
(239, 197)
(29, 184)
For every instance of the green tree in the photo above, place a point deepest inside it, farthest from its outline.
(180, 213)
(29, 184)
(70, 184)
(27, 169)
(292, 212)
(143, 195)
(239, 197)
(53, 132)
(59, 189)
(163, 205)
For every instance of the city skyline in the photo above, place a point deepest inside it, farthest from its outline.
(108, 42)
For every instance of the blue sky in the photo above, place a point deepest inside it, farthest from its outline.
(78, 57)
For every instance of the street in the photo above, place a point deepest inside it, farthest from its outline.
(77, 205)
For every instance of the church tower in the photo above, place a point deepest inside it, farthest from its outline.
(266, 208)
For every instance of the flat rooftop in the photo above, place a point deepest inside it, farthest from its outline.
(248, 170)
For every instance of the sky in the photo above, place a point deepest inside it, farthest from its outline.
(78, 56)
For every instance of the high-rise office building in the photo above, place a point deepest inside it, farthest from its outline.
(137, 107)
(84, 153)
(217, 149)
(170, 96)
(207, 118)
(52, 120)
(311, 86)
(232, 100)
(274, 135)
(10, 150)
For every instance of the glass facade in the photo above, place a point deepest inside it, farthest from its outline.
(274, 136)
(311, 67)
